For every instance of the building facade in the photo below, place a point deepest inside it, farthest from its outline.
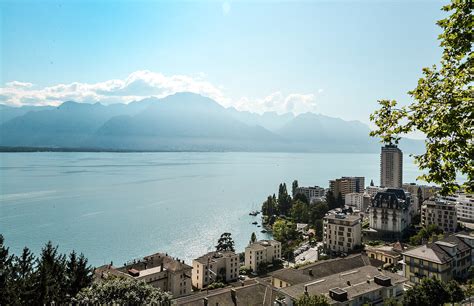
(360, 201)
(158, 270)
(390, 214)
(464, 206)
(342, 233)
(311, 193)
(445, 259)
(346, 184)
(262, 252)
(215, 266)
(391, 167)
(440, 213)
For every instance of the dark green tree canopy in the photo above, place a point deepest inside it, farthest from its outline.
(225, 243)
(442, 107)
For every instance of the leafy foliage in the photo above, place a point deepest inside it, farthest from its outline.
(122, 291)
(431, 291)
(49, 279)
(312, 300)
(225, 243)
(442, 108)
(425, 234)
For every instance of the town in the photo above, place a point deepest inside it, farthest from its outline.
(349, 244)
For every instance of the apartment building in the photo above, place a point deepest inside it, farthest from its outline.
(215, 266)
(390, 214)
(445, 259)
(420, 193)
(389, 254)
(346, 184)
(311, 193)
(360, 201)
(263, 251)
(391, 167)
(342, 233)
(464, 206)
(440, 213)
(159, 270)
(372, 190)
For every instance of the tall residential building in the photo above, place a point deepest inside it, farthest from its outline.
(464, 206)
(263, 251)
(445, 259)
(346, 184)
(158, 270)
(390, 214)
(342, 233)
(215, 266)
(391, 167)
(440, 213)
(311, 193)
(420, 193)
(360, 201)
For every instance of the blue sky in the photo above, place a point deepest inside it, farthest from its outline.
(331, 57)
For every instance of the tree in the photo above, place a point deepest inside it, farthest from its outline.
(23, 277)
(78, 273)
(225, 243)
(318, 226)
(294, 185)
(284, 200)
(253, 238)
(300, 197)
(432, 291)
(5, 272)
(51, 282)
(339, 200)
(318, 211)
(331, 200)
(122, 291)
(312, 300)
(284, 230)
(442, 107)
(270, 206)
(299, 212)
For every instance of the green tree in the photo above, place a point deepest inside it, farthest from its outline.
(78, 273)
(253, 238)
(318, 226)
(299, 212)
(284, 230)
(431, 291)
(122, 291)
(225, 243)
(270, 206)
(51, 285)
(300, 197)
(5, 273)
(312, 300)
(23, 277)
(442, 107)
(331, 200)
(339, 200)
(294, 185)
(284, 200)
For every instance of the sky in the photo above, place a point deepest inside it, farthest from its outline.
(336, 58)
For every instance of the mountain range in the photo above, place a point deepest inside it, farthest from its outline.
(181, 122)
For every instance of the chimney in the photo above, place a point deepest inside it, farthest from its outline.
(310, 272)
(306, 289)
(348, 283)
(233, 297)
(161, 266)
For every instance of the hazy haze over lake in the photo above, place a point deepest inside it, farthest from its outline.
(120, 206)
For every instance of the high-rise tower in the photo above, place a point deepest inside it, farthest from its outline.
(391, 167)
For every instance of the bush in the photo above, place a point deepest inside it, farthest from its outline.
(216, 285)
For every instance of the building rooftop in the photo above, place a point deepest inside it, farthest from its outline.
(350, 218)
(214, 256)
(169, 263)
(354, 282)
(262, 244)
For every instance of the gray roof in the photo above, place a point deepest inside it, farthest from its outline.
(214, 256)
(352, 281)
(324, 268)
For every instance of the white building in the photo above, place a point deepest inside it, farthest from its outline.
(311, 193)
(215, 266)
(342, 233)
(440, 213)
(464, 206)
(263, 251)
(372, 190)
(390, 213)
(360, 201)
(391, 167)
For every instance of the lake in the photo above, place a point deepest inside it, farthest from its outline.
(121, 206)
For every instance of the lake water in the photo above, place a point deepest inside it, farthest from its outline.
(121, 206)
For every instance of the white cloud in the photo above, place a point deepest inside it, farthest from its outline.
(144, 83)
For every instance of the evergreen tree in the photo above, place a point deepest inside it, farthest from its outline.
(78, 273)
(5, 273)
(294, 185)
(24, 278)
(284, 200)
(253, 238)
(225, 243)
(51, 282)
(432, 291)
(331, 200)
(339, 201)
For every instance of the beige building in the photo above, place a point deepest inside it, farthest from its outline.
(342, 233)
(346, 184)
(391, 167)
(360, 201)
(159, 270)
(389, 254)
(263, 251)
(464, 206)
(215, 266)
(445, 259)
(440, 213)
(311, 193)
